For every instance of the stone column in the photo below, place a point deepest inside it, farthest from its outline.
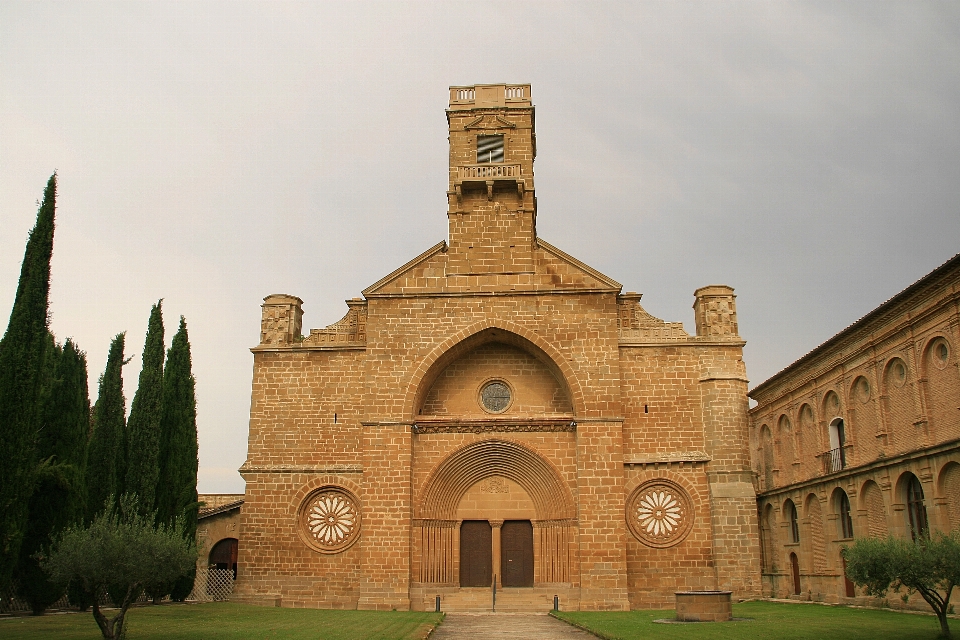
(497, 575)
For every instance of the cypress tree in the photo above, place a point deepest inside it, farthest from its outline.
(58, 496)
(177, 490)
(143, 427)
(109, 425)
(21, 360)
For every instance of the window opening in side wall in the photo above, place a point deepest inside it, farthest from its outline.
(795, 570)
(916, 509)
(794, 524)
(846, 520)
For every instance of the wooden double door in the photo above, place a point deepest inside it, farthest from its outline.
(516, 553)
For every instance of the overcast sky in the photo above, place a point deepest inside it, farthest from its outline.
(807, 154)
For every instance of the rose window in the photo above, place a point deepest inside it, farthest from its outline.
(330, 520)
(495, 396)
(659, 513)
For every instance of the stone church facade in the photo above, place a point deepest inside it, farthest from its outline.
(496, 410)
(861, 438)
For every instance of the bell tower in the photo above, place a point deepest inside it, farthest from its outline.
(492, 206)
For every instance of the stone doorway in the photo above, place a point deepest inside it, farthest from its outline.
(795, 570)
(476, 553)
(516, 553)
(849, 589)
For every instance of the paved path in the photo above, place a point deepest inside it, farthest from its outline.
(529, 626)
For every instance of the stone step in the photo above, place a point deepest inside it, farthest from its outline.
(477, 599)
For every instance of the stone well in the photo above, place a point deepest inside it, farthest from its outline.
(704, 606)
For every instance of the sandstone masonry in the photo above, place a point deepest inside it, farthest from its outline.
(497, 410)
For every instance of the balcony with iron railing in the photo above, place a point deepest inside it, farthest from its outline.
(835, 459)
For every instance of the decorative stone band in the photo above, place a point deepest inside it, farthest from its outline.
(672, 456)
(659, 513)
(540, 426)
(329, 519)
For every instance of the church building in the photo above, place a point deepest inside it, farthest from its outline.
(495, 413)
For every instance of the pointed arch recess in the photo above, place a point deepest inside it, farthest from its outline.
(472, 463)
(471, 337)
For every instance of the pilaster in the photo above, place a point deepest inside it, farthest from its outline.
(602, 535)
(387, 456)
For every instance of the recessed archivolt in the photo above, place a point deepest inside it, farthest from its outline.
(468, 465)
(468, 339)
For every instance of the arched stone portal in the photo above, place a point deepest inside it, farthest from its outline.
(455, 492)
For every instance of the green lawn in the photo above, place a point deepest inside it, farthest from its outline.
(228, 621)
(770, 620)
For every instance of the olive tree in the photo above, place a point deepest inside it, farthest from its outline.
(929, 566)
(121, 550)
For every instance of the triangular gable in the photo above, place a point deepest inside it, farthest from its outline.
(554, 270)
(376, 287)
(603, 281)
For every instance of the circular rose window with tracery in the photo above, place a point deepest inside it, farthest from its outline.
(659, 513)
(330, 520)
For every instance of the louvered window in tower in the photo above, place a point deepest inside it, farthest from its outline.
(489, 149)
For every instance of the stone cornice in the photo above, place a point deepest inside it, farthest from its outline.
(293, 468)
(346, 346)
(491, 293)
(690, 341)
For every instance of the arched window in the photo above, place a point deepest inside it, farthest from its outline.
(766, 445)
(916, 510)
(791, 514)
(846, 521)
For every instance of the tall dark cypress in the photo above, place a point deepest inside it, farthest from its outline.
(59, 494)
(177, 490)
(109, 425)
(143, 428)
(21, 361)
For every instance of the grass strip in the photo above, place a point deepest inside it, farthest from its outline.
(231, 621)
(768, 620)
